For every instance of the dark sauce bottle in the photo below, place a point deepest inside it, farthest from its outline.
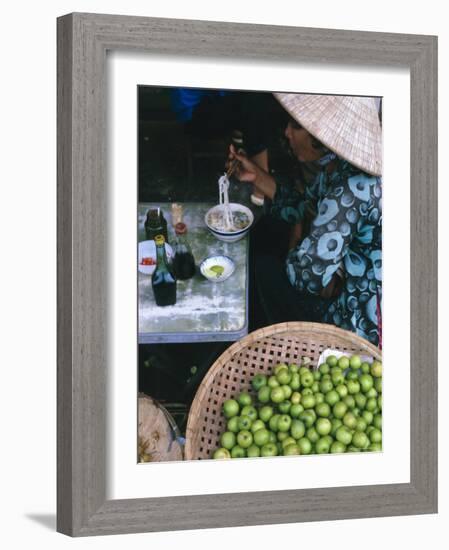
(163, 279)
(183, 260)
(155, 224)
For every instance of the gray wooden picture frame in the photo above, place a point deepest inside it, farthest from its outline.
(83, 40)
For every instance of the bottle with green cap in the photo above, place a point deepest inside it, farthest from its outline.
(163, 280)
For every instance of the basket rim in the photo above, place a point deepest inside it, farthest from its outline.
(271, 330)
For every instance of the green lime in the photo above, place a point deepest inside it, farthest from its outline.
(344, 435)
(343, 362)
(249, 411)
(295, 382)
(323, 426)
(337, 447)
(377, 421)
(326, 386)
(280, 436)
(227, 440)
(277, 395)
(238, 452)
(289, 440)
(336, 423)
(331, 397)
(366, 382)
(257, 425)
(297, 429)
(245, 439)
(339, 409)
(263, 395)
(273, 422)
(323, 409)
(291, 450)
(221, 453)
(319, 397)
(342, 390)
(376, 369)
(371, 404)
(280, 366)
(296, 410)
(360, 440)
(304, 445)
(355, 362)
(233, 424)
(270, 449)
(360, 400)
(353, 386)
(245, 423)
(307, 379)
(295, 398)
(308, 401)
(266, 412)
(284, 376)
(375, 436)
(284, 407)
(217, 269)
(368, 417)
(253, 451)
(293, 368)
(350, 420)
(361, 424)
(261, 437)
(308, 417)
(350, 401)
(258, 381)
(231, 408)
(324, 368)
(322, 446)
(312, 435)
(284, 423)
(244, 399)
(378, 385)
(365, 367)
(332, 361)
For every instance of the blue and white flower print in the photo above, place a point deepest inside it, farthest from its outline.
(346, 231)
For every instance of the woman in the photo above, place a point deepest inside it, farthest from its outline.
(339, 259)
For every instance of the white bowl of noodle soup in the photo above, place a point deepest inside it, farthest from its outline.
(242, 218)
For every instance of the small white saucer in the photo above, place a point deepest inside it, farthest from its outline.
(217, 268)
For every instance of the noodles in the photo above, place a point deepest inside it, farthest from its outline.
(224, 217)
(239, 221)
(223, 187)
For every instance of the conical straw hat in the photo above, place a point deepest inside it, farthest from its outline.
(348, 126)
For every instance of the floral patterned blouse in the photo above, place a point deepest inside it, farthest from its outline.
(346, 232)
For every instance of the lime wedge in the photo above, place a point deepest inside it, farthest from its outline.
(217, 269)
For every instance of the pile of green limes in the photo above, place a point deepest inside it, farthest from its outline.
(297, 410)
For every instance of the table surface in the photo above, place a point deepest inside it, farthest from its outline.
(204, 311)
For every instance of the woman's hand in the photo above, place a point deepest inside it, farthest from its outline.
(246, 170)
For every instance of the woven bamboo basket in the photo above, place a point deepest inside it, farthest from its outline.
(258, 353)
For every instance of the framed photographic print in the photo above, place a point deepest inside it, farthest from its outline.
(176, 340)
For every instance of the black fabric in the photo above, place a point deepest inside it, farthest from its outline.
(256, 115)
(274, 300)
